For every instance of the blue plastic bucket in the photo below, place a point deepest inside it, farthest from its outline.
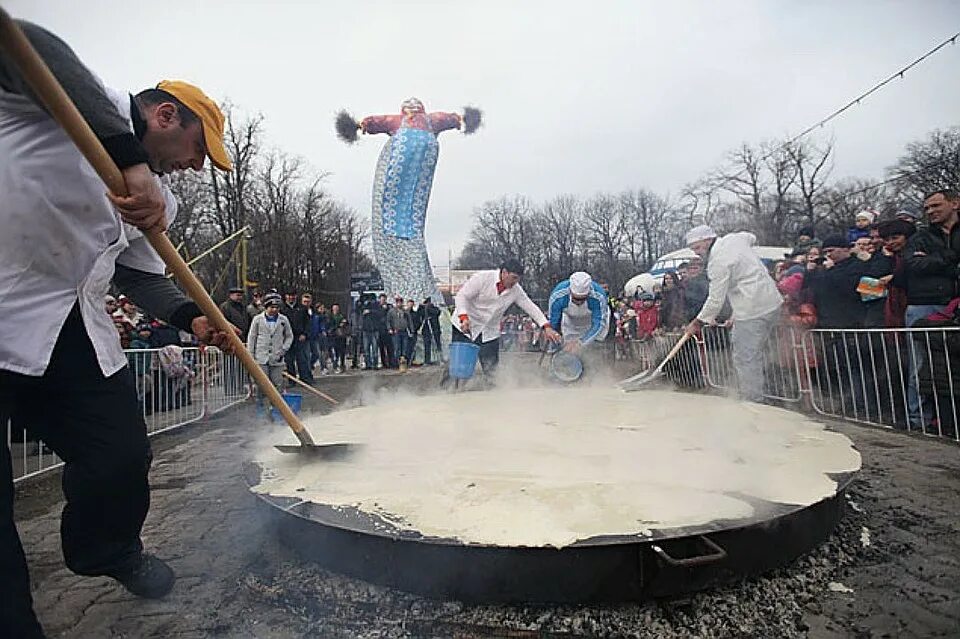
(463, 359)
(293, 400)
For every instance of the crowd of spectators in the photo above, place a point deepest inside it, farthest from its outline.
(161, 368)
(881, 274)
(311, 340)
(373, 334)
(895, 273)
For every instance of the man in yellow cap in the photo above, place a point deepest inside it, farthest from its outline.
(63, 241)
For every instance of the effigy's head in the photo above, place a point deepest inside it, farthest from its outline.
(411, 106)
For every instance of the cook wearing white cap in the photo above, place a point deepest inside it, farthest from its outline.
(736, 273)
(578, 308)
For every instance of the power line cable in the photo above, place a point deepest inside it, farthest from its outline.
(856, 102)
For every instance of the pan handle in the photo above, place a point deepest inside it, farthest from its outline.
(716, 554)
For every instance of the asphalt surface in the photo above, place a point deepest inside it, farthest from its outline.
(892, 568)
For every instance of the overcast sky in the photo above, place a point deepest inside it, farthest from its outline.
(578, 97)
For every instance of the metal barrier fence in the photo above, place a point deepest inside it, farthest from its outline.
(907, 379)
(172, 391)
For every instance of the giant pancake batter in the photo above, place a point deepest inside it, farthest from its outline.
(549, 467)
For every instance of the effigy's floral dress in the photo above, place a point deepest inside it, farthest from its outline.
(401, 192)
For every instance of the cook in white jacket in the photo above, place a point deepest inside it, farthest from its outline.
(736, 273)
(62, 241)
(481, 303)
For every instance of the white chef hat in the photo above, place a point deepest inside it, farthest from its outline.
(697, 233)
(580, 284)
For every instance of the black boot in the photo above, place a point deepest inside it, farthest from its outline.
(146, 577)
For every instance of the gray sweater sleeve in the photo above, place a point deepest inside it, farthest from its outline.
(84, 89)
(157, 295)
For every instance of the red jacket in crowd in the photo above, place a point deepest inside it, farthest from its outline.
(647, 321)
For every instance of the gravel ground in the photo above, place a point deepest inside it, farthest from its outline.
(891, 569)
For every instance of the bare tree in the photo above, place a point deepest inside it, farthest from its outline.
(928, 165)
(813, 166)
(560, 224)
(604, 232)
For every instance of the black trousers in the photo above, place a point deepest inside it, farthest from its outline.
(95, 425)
(489, 351)
(388, 359)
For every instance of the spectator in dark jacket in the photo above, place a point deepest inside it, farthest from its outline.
(235, 312)
(387, 356)
(416, 322)
(340, 336)
(875, 266)
(318, 334)
(298, 357)
(398, 325)
(932, 257)
(806, 238)
(895, 234)
(672, 313)
(373, 321)
(255, 307)
(696, 289)
(356, 333)
(431, 331)
(839, 305)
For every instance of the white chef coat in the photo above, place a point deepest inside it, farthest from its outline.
(736, 273)
(479, 301)
(59, 240)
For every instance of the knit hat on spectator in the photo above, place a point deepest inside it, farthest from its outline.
(836, 241)
(791, 285)
(867, 215)
(697, 233)
(235, 289)
(647, 297)
(271, 299)
(580, 284)
(910, 215)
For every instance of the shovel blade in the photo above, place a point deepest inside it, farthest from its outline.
(324, 451)
(635, 382)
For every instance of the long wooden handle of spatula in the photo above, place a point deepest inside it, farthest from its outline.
(315, 391)
(63, 110)
(673, 351)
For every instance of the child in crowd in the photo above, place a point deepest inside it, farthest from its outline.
(647, 316)
(861, 227)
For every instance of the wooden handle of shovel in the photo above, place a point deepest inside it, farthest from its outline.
(317, 392)
(673, 351)
(61, 107)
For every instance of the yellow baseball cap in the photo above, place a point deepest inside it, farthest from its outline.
(210, 117)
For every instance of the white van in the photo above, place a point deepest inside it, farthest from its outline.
(671, 261)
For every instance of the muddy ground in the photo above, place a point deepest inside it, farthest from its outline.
(236, 580)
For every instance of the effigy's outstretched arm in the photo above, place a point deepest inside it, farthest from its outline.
(347, 126)
(443, 121)
(468, 122)
(381, 124)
